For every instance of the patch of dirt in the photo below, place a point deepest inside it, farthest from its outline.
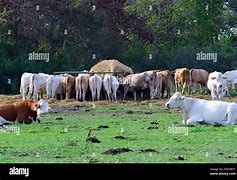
(180, 158)
(103, 127)
(116, 151)
(93, 139)
(152, 127)
(154, 122)
(120, 137)
(129, 112)
(148, 150)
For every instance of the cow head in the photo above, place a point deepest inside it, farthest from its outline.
(175, 101)
(42, 107)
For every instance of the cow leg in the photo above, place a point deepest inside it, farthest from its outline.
(194, 120)
(77, 95)
(125, 92)
(135, 95)
(4, 121)
(98, 93)
(176, 86)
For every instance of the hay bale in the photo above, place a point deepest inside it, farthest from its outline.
(113, 66)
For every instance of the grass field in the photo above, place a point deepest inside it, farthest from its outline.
(146, 133)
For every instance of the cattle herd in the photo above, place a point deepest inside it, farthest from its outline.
(149, 84)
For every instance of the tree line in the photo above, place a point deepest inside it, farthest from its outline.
(144, 34)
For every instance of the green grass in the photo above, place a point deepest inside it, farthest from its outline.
(47, 142)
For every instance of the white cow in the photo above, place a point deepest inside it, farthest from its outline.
(95, 83)
(217, 85)
(38, 84)
(81, 85)
(111, 85)
(25, 83)
(231, 78)
(202, 111)
(54, 86)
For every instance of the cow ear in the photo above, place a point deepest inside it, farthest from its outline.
(213, 78)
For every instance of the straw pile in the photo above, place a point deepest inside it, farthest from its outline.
(113, 66)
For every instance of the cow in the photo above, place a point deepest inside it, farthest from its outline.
(38, 85)
(81, 86)
(217, 85)
(166, 82)
(25, 84)
(26, 111)
(54, 86)
(196, 111)
(111, 85)
(231, 77)
(182, 77)
(95, 83)
(158, 85)
(198, 77)
(139, 82)
(69, 85)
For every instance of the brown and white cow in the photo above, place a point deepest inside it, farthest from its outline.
(69, 85)
(25, 111)
(182, 77)
(198, 77)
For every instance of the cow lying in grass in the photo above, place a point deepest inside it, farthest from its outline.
(25, 111)
(202, 111)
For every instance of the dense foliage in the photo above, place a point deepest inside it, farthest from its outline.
(144, 34)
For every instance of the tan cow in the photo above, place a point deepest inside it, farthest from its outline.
(166, 82)
(81, 86)
(182, 77)
(198, 77)
(69, 85)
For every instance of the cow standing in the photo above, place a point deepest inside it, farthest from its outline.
(217, 85)
(38, 85)
(69, 85)
(138, 82)
(95, 83)
(25, 84)
(54, 86)
(111, 86)
(198, 77)
(81, 86)
(182, 77)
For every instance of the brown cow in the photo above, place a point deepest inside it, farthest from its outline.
(69, 85)
(81, 86)
(182, 77)
(24, 111)
(198, 77)
(166, 82)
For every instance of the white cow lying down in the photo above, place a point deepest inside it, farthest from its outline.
(202, 111)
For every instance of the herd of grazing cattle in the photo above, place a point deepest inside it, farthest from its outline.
(149, 84)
